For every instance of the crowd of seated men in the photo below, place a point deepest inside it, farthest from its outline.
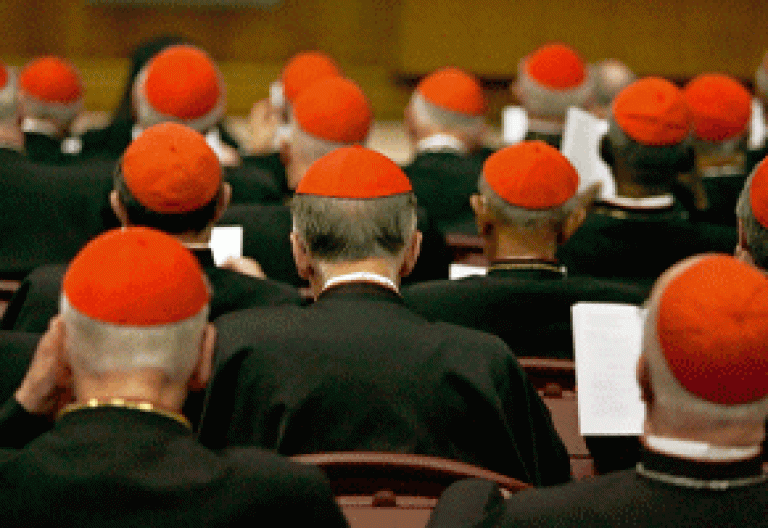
(145, 384)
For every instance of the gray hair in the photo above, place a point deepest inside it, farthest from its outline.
(654, 165)
(754, 232)
(98, 347)
(337, 230)
(520, 216)
(547, 102)
(431, 114)
(310, 148)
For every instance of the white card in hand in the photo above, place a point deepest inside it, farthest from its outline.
(226, 241)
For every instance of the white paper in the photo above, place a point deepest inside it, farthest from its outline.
(607, 342)
(226, 241)
(757, 125)
(514, 124)
(581, 145)
(459, 271)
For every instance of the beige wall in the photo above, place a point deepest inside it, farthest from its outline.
(375, 40)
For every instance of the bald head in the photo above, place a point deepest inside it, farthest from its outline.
(705, 342)
(611, 77)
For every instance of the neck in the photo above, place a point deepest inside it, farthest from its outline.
(328, 271)
(11, 136)
(144, 385)
(627, 186)
(194, 238)
(507, 242)
(545, 124)
(730, 434)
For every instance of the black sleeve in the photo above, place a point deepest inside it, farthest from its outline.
(18, 427)
(466, 503)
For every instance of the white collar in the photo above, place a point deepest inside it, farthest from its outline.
(361, 276)
(438, 142)
(650, 202)
(699, 450)
(39, 126)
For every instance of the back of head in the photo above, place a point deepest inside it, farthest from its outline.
(139, 57)
(650, 128)
(530, 184)
(552, 79)
(50, 88)
(706, 342)
(752, 213)
(721, 109)
(8, 94)
(181, 84)
(452, 100)
(134, 298)
(331, 113)
(354, 204)
(303, 70)
(611, 77)
(169, 179)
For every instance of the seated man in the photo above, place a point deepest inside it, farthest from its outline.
(642, 230)
(168, 179)
(721, 109)
(445, 121)
(183, 84)
(331, 113)
(51, 97)
(527, 196)
(702, 376)
(131, 341)
(357, 370)
(550, 80)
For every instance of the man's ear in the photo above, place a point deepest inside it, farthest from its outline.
(644, 380)
(583, 203)
(301, 257)
(411, 254)
(225, 196)
(118, 208)
(203, 371)
(743, 251)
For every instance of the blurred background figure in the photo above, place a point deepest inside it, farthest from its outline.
(611, 76)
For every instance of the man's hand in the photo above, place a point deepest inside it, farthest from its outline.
(244, 265)
(263, 124)
(46, 387)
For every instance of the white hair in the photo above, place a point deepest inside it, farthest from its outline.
(147, 115)
(308, 147)
(521, 216)
(548, 102)
(62, 112)
(670, 395)
(98, 347)
(427, 113)
(8, 97)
